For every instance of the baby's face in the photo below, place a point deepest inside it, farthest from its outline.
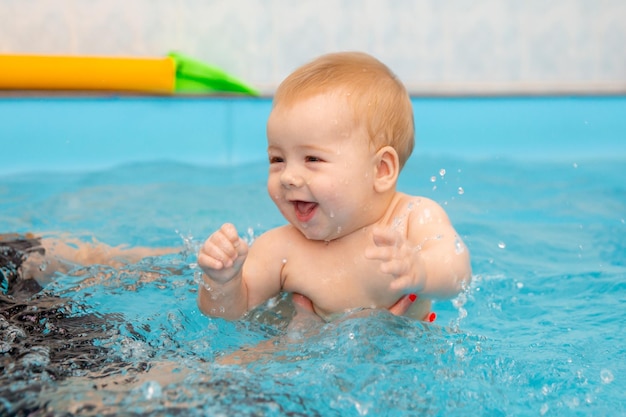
(322, 167)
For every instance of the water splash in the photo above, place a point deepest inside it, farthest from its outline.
(151, 390)
(606, 376)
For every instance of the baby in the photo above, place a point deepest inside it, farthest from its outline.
(339, 133)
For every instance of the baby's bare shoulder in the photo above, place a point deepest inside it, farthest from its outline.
(422, 209)
(277, 240)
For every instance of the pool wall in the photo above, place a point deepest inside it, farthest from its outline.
(453, 47)
(91, 133)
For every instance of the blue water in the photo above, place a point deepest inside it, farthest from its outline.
(539, 332)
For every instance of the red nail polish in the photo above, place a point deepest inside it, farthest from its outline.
(431, 317)
(412, 297)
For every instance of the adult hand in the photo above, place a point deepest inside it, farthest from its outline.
(402, 305)
(304, 305)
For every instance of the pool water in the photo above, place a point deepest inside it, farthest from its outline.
(539, 332)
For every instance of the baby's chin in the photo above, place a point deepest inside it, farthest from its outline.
(320, 235)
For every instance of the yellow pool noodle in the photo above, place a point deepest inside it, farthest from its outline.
(41, 72)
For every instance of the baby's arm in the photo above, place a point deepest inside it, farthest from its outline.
(234, 280)
(221, 259)
(430, 259)
(444, 256)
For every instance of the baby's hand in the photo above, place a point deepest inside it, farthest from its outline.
(399, 259)
(222, 255)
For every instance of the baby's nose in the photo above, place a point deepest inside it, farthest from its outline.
(291, 179)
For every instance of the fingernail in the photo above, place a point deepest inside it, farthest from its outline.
(431, 317)
(412, 297)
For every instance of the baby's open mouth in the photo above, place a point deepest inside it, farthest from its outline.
(305, 210)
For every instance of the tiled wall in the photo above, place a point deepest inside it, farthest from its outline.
(435, 46)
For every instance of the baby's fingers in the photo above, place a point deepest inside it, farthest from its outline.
(386, 237)
(206, 261)
(404, 283)
(380, 253)
(222, 248)
(215, 255)
(229, 231)
(394, 267)
(238, 244)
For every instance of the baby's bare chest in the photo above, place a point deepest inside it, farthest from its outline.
(338, 277)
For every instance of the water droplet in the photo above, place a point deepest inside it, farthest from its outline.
(271, 303)
(606, 376)
(575, 165)
(284, 261)
(519, 285)
(459, 301)
(433, 179)
(460, 351)
(397, 221)
(458, 246)
(442, 172)
(151, 389)
(501, 245)
(461, 191)
(249, 238)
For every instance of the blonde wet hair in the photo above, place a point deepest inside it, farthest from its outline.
(379, 99)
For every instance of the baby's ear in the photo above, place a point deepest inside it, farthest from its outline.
(387, 169)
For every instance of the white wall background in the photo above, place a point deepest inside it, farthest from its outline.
(435, 46)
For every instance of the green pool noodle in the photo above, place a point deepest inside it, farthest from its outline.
(195, 77)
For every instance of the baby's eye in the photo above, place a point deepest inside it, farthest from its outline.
(276, 159)
(311, 158)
